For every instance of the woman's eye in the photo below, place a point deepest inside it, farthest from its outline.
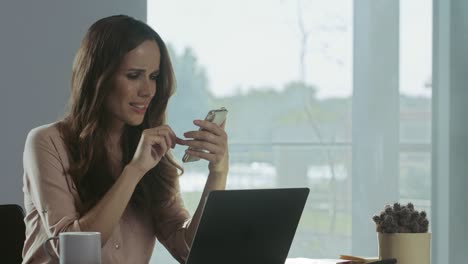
(133, 76)
(154, 77)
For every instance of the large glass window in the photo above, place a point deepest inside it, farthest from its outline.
(286, 72)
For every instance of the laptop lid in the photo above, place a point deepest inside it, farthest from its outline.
(248, 226)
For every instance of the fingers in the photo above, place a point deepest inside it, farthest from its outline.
(166, 132)
(204, 136)
(208, 132)
(181, 141)
(210, 142)
(211, 127)
(204, 145)
(205, 155)
(158, 144)
(161, 139)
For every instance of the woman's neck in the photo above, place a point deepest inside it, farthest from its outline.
(114, 137)
(114, 150)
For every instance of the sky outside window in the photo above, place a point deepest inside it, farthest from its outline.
(245, 44)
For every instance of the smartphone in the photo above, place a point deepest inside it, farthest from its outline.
(217, 116)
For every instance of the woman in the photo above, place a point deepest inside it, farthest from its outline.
(107, 166)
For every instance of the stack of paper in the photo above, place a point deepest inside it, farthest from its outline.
(359, 260)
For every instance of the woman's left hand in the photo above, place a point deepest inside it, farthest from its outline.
(212, 139)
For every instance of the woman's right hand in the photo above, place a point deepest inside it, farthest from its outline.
(154, 144)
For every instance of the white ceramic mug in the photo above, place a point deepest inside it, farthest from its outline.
(77, 247)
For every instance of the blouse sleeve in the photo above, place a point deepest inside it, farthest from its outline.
(47, 184)
(171, 227)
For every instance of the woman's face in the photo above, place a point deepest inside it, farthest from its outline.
(134, 85)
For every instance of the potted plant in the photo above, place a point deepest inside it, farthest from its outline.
(403, 234)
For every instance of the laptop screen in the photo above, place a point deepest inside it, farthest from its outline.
(248, 226)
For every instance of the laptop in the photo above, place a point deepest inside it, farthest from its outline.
(247, 226)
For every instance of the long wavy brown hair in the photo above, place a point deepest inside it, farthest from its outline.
(84, 127)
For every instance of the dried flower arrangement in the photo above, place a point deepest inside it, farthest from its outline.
(401, 219)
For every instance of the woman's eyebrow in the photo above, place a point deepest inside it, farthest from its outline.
(136, 69)
(142, 70)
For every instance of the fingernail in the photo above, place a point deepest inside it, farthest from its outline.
(196, 122)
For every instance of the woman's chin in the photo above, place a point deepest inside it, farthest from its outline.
(135, 122)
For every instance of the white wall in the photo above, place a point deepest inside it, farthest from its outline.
(38, 40)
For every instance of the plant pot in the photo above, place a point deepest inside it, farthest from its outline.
(407, 248)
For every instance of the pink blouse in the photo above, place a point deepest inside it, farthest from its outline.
(51, 199)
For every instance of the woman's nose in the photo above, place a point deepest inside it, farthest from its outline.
(148, 88)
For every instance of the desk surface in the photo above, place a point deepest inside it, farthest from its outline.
(314, 261)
